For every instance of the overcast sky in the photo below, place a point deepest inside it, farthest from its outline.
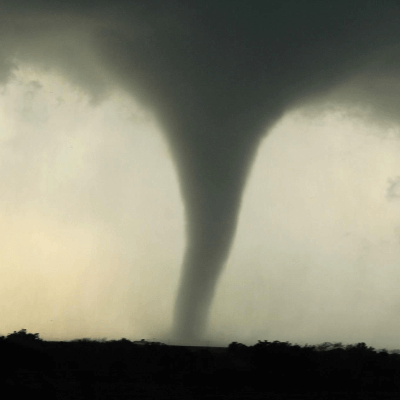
(93, 225)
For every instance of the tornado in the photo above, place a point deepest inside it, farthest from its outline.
(213, 119)
(217, 75)
(212, 173)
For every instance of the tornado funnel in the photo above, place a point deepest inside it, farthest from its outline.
(213, 126)
(213, 159)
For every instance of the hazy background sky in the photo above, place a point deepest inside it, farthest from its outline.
(92, 226)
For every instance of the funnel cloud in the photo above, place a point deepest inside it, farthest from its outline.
(217, 75)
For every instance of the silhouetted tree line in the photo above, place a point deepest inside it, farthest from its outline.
(266, 367)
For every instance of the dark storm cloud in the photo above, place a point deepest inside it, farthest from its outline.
(217, 74)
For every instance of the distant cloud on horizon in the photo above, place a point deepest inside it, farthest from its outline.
(393, 192)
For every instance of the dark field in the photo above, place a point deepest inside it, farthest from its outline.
(87, 369)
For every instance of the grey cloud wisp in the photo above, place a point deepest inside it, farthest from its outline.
(217, 75)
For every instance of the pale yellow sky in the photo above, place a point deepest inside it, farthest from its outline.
(92, 225)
